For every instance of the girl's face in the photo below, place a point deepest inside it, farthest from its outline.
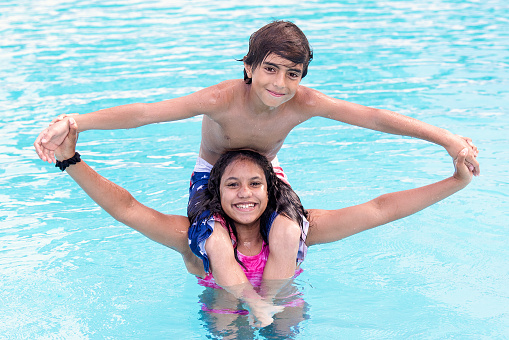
(243, 191)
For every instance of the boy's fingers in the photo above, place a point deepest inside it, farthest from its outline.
(57, 119)
(38, 148)
(473, 165)
(73, 130)
(473, 147)
(41, 150)
(460, 159)
(463, 154)
(463, 164)
(44, 157)
(469, 142)
(470, 156)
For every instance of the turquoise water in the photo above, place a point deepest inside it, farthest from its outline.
(69, 271)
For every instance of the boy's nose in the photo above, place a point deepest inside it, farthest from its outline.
(279, 80)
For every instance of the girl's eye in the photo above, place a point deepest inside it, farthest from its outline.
(256, 184)
(231, 185)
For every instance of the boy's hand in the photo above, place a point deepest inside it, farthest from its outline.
(461, 143)
(67, 148)
(51, 137)
(462, 171)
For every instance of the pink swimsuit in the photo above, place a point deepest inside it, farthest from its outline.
(254, 271)
(254, 266)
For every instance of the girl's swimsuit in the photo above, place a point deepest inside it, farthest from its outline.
(254, 266)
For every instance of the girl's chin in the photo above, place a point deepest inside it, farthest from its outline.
(245, 220)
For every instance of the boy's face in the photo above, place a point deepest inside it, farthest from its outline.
(276, 80)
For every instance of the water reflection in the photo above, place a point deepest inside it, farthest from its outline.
(226, 317)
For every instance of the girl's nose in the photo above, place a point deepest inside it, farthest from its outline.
(244, 191)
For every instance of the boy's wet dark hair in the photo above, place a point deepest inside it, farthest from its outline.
(282, 38)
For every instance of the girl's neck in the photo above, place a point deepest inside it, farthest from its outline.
(249, 239)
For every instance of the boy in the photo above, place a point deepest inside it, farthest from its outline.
(257, 114)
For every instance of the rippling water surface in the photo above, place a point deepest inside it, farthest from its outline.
(67, 270)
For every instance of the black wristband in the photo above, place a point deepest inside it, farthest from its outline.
(64, 164)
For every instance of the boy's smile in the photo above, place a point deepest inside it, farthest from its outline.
(275, 81)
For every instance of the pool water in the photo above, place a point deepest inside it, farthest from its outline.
(69, 271)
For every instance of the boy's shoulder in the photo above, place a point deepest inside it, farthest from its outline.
(313, 103)
(225, 88)
(308, 97)
(230, 84)
(221, 94)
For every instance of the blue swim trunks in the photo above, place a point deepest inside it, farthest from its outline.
(201, 228)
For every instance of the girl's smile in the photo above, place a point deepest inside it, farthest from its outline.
(243, 191)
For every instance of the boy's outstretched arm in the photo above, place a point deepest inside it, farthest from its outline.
(394, 123)
(332, 225)
(125, 117)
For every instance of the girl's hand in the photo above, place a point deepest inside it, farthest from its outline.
(460, 143)
(67, 148)
(462, 171)
(261, 313)
(51, 138)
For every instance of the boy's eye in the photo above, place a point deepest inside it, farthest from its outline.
(294, 75)
(270, 69)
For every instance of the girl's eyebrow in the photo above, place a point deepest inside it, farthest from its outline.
(232, 178)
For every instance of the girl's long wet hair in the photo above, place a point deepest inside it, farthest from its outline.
(281, 197)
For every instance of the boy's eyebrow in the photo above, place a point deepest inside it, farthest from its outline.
(278, 66)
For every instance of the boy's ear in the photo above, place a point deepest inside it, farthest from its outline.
(249, 70)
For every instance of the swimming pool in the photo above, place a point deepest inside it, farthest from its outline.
(70, 271)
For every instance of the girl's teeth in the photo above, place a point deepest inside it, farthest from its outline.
(245, 206)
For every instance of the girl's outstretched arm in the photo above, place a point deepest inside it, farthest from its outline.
(169, 230)
(332, 225)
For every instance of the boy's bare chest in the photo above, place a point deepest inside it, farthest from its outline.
(243, 132)
(266, 129)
